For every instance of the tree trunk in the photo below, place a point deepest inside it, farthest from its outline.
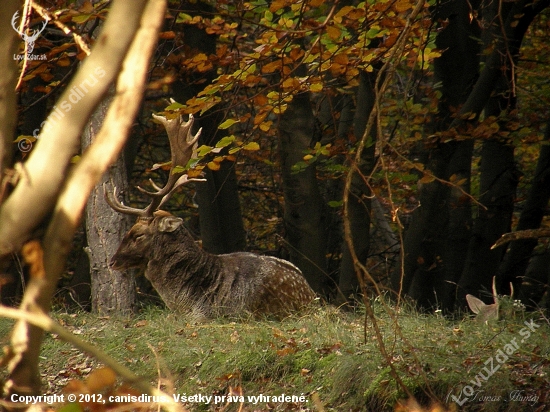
(220, 217)
(516, 260)
(112, 291)
(359, 206)
(436, 242)
(221, 222)
(499, 176)
(304, 215)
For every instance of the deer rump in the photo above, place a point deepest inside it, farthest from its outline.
(188, 279)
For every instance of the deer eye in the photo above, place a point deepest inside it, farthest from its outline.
(139, 238)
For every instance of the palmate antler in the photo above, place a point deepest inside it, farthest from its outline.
(183, 145)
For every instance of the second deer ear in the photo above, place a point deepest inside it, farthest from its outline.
(170, 223)
(475, 304)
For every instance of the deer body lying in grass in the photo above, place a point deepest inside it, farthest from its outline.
(187, 278)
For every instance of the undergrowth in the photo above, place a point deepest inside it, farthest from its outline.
(322, 352)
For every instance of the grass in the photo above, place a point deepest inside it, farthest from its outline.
(321, 352)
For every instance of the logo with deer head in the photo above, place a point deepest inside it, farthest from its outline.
(28, 38)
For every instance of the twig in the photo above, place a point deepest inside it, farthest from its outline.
(521, 234)
(46, 323)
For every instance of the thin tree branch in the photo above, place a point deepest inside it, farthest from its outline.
(46, 168)
(44, 322)
(26, 339)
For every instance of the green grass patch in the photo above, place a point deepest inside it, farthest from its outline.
(322, 352)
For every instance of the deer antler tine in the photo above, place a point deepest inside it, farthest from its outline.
(183, 179)
(155, 186)
(119, 206)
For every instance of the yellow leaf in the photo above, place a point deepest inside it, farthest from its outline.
(213, 166)
(251, 146)
(196, 172)
(316, 87)
(265, 126)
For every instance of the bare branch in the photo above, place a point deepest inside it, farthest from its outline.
(8, 68)
(521, 234)
(47, 324)
(37, 191)
(26, 340)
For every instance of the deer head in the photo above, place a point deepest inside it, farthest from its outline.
(486, 313)
(134, 249)
(29, 39)
(136, 242)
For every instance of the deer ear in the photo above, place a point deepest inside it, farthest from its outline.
(170, 223)
(475, 304)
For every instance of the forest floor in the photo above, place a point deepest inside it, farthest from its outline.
(321, 360)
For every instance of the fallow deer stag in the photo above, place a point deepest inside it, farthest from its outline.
(187, 278)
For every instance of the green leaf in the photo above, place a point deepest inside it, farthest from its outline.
(174, 106)
(71, 407)
(83, 18)
(336, 203)
(183, 17)
(225, 141)
(227, 124)
(203, 150)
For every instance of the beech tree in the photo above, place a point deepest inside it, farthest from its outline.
(46, 186)
(332, 105)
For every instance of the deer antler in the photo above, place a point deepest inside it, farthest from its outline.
(183, 145)
(29, 39)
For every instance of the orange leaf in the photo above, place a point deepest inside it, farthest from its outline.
(402, 5)
(259, 118)
(63, 62)
(167, 35)
(426, 179)
(296, 53)
(271, 67)
(99, 379)
(261, 100)
(333, 32)
(341, 58)
(276, 5)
